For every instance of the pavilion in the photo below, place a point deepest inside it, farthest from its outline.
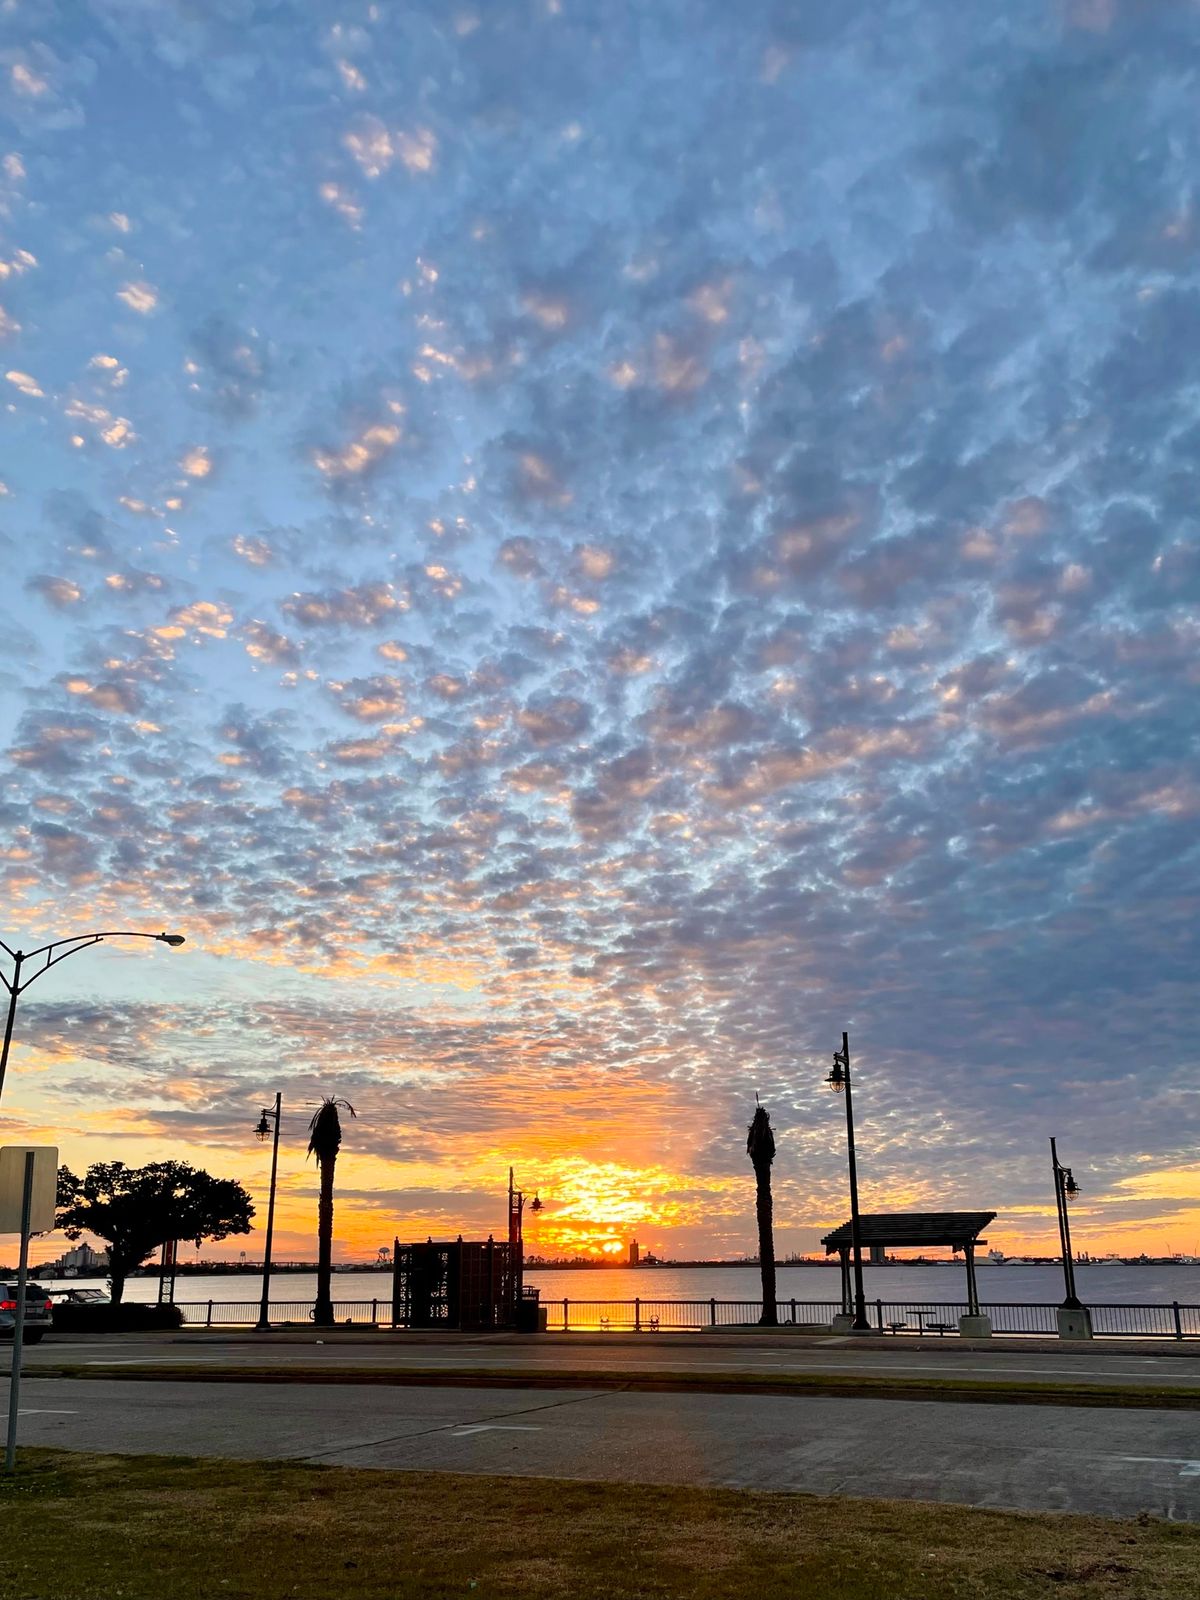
(959, 1230)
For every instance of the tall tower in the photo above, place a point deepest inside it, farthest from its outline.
(635, 1254)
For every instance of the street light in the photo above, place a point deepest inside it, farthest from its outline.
(1065, 1190)
(839, 1081)
(58, 950)
(262, 1129)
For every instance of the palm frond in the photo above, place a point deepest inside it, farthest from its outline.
(325, 1129)
(760, 1141)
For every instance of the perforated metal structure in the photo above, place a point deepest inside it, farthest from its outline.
(465, 1285)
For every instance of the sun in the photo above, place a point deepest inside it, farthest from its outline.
(611, 1247)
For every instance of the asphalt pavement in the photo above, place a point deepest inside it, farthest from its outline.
(1044, 1458)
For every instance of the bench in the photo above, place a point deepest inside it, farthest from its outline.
(896, 1326)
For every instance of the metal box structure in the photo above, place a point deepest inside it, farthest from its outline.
(465, 1285)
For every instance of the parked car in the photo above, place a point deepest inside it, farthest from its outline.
(38, 1309)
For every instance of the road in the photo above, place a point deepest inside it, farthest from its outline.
(1040, 1458)
(892, 1358)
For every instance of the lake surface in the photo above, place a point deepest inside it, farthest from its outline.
(1101, 1283)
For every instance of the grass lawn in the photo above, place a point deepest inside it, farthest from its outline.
(87, 1527)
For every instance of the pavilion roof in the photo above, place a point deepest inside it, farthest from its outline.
(900, 1228)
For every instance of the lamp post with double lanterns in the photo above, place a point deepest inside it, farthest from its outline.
(54, 952)
(262, 1129)
(516, 1244)
(1065, 1190)
(839, 1081)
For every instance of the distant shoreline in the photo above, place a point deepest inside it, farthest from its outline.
(234, 1269)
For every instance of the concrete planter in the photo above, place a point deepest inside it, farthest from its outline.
(1074, 1323)
(979, 1327)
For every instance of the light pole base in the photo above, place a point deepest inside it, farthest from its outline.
(1074, 1322)
(843, 1322)
(975, 1327)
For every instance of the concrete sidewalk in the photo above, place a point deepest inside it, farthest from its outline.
(746, 1339)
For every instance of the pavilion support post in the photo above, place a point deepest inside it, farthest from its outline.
(844, 1320)
(972, 1288)
(974, 1325)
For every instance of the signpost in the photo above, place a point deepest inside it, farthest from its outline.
(28, 1191)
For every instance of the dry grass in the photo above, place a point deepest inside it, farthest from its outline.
(85, 1527)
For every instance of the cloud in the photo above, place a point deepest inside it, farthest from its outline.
(139, 296)
(662, 601)
(56, 591)
(360, 606)
(25, 384)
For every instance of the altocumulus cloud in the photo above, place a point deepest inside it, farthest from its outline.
(643, 541)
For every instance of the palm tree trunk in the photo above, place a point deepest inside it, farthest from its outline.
(766, 1243)
(323, 1311)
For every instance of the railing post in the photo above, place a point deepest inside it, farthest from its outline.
(712, 1312)
(208, 1319)
(637, 1314)
(374, 1311)
(566, 1303)
(793, 1313)
(1178, 1323)
(879, 1315)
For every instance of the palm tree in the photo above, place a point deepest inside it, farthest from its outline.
(760, 1147)
(324, 1141)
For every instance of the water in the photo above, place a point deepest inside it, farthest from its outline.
(1099, 1283)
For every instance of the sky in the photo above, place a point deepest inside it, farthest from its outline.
(577, 551)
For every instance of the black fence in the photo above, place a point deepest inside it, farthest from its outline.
(1168, 1320)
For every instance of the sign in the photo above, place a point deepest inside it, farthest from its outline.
(12, 1187)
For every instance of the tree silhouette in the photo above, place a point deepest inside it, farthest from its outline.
(760, 1147)
(136, 1210)
(324, 1141)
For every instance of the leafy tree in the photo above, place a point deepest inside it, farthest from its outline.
(324, 1141)
(136, 1210)
(760, 1147)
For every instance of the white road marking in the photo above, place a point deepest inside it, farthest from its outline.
(154, 1361)
(495, 1427)
(37, 1411)
(1187, 1469)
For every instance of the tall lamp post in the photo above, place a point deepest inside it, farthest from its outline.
(54, 952)
(1065, 1189)
(839, 1081)
(262, 1129)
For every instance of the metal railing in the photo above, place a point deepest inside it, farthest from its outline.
(244, 1313)
(1166, 1320)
